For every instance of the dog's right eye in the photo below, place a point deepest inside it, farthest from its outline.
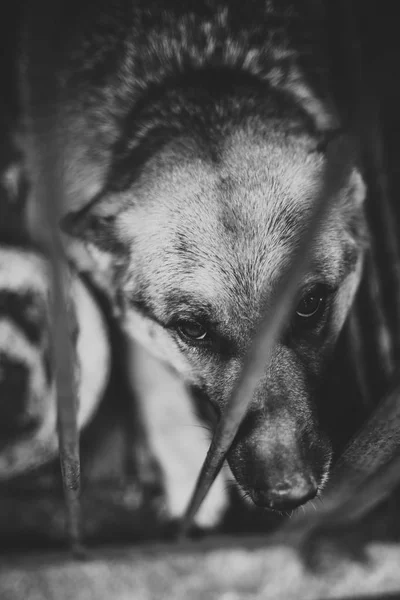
(192, 331)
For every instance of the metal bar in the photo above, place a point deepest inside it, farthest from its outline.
(63, 362)
(64, 372)
(45, 161)
(67, 428)
(367, 472)
(337, 170)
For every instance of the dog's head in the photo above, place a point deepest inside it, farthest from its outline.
(26, 377)
(191, 245)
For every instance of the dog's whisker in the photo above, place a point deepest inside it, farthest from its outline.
(198, 426)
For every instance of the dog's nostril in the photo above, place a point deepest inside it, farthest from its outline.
(284, 497)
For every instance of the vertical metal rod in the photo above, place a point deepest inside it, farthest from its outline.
(67, 428)
(62, 347)
(269, 330)
(63, 352)
(45, 160)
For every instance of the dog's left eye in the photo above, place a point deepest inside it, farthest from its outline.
(192, 330)
(311, 304)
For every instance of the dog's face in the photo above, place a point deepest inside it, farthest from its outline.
(194, 246)
(25, 372)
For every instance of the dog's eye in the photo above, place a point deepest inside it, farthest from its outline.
(192, 330)
(312, 303)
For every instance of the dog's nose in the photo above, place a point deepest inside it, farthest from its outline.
(13, 394)
(284, 496)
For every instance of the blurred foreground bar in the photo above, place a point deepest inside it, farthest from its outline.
(228, 569)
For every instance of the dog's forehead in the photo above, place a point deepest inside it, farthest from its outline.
(221, 230)
(258, 188)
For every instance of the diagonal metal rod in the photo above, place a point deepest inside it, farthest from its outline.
(62, 352)
(366, 473)
(337, 171)
(66, 385)
(368, 494)
(378, 323)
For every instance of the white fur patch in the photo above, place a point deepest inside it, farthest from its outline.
(177, 437)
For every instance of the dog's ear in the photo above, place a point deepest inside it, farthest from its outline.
(92, 242)
(95, 223)
(357, 190)
(344, 150)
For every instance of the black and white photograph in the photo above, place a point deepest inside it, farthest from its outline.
(199, 300)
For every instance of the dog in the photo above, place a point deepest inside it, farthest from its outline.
(28, 399)
(195, 137)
